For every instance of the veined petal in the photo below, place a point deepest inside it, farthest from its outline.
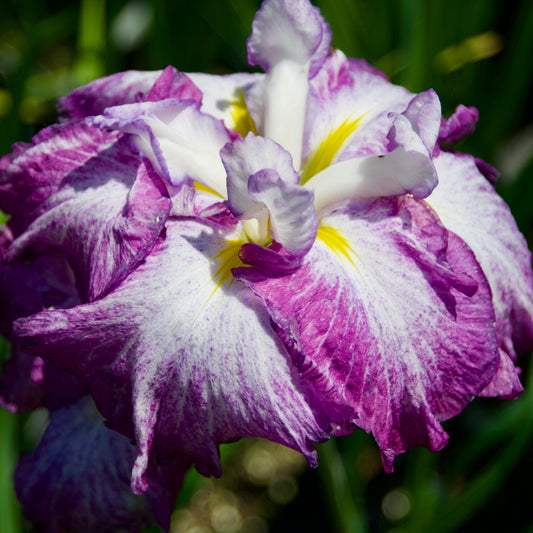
(359, 181)
(197, 350)
(173, 84)
(346, 92)
(389, 314)
(488, 227)
(290, 40)
(79, 474)
(106, 217)
(34, 172)
(180, 140)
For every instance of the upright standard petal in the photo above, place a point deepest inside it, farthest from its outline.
(290, 40)
(391, 315)
(197, 348)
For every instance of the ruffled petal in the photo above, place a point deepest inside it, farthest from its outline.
(106, 217)
(460, 124)
(391, 315)
(34, 172)
(28, 382)
(180, 140)
(487, 226)
(195, 349)
(77, 479)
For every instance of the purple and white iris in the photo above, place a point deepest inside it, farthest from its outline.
(287, 255)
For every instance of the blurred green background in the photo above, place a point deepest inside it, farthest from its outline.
(473, 52)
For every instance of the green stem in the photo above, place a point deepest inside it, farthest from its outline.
(349, 518)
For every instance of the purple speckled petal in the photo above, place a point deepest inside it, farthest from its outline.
(180, 140)
(342, 92)
(77, 479)
(198, 349)
(488, 227)
(122, 88)
(34, 172)
(106, 217)
(459, 125)
(403, 359)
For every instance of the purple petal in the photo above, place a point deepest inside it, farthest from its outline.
(117, 89)
(196, 349)
(78, 478)
(348, 112)
(106, 217)
(173, 84)
(459, 125)
(468, 205)
(390, 315)
(28, 382)
(35, 171)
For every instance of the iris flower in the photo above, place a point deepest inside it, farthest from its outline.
(287, 255)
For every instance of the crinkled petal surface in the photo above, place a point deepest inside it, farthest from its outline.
(198, 348)
(106, 216)
(34, 172)
(389, 314)
(77, 479)
(488, 227)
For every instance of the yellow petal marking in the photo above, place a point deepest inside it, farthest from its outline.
(337, 243)
(227, 259)
(323, 156)
(201, 187)
(243, 121)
